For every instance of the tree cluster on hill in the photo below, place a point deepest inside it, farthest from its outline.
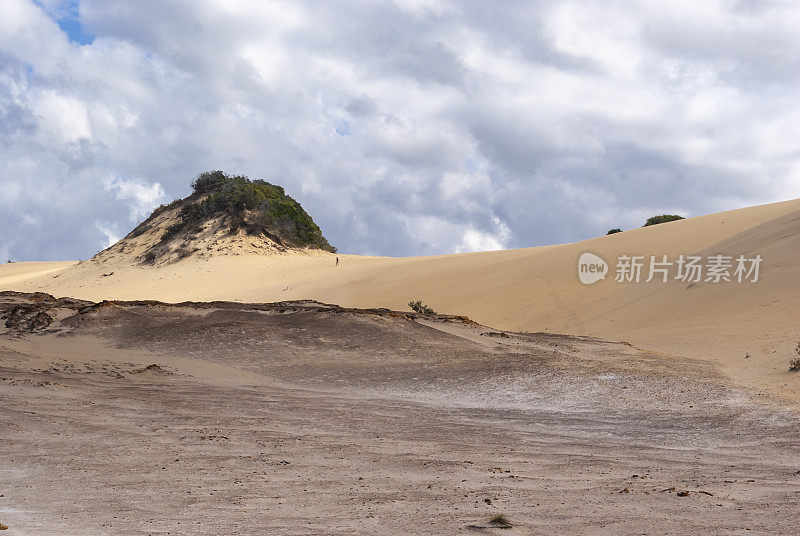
(254, 206)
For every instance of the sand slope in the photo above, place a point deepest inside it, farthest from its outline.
(534, 289)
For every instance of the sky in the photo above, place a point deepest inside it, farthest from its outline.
(410, 127)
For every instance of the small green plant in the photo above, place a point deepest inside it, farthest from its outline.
(663, 218)
(421, 308)
(794, 364)
(500, 521)
(614, 231)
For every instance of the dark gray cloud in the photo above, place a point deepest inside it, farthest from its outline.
(406, 127)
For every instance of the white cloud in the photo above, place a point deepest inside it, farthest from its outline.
(62, 118)
(141, 197)
(408, 127)
(476, 240)
(109, 231)
(601, 32)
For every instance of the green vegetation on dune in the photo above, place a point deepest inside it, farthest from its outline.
(655, 220)
(663, 218)
(257, 207)
(253, 206)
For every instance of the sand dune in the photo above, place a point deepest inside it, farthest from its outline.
(533, 289)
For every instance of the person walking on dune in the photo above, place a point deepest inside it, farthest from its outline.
(337, 261)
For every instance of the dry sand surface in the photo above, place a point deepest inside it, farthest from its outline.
(533, 289)
(301, 418)
(12, 274)
(244, 417)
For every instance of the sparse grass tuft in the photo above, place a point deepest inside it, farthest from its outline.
(500, 521)
(794, 364)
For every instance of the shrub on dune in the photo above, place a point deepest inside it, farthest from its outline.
(421, 308)
(794, 364)
(663, 218)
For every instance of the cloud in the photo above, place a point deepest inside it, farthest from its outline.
(109, 231)
(476, 240)
(141, 197)
(407, 127)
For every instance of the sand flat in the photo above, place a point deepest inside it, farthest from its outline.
(300, 418)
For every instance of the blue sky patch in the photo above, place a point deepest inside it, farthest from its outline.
(68, 18)
(343, 128)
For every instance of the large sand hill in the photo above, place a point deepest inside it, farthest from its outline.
(533, 289)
